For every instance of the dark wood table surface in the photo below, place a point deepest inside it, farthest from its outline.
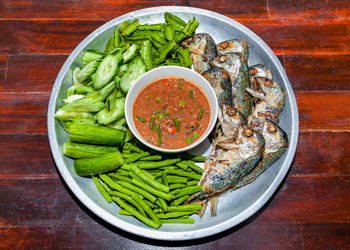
(310, 210)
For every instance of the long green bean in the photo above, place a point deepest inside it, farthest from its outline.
(152, 190)
(178, 220)
(183, 208)
(188, 190)
(158, 164)
(147, 209)
(143, 176)
(173, 214)
(130, 200)
(101, 189)
(183, 173)
(181, 200)
(136, 157)
(138, 190)
(135, 213)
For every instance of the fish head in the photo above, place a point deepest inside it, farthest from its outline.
(276, 139)
(250, 142)
(273, 92)
(231, 62)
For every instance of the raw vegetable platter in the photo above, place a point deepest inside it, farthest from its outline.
(234, 207)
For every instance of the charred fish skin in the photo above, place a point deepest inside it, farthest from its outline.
(272, 99)
(276, 143)
(202, 50)
(259, 70)
(226, 167)
(232, 63)
(220, 81)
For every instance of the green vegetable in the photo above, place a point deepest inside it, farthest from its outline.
(141, 119)
(200, 114)
(146, 54)
(147, 208)
(113, 112)
(160, 116)
(130, 53)
(85, 72)
(94, 134)
(152, 190)
(173, 214)
(158, 164)
(188, 190)
(130, 28)
(177, 124)
(189, 140)
(153, 118)
(135, 213)
(141, 174)
(181, 200)
(131, 200)
(101, 189)
(93, 102)
(185, 208)
(177, 220)
(106, 70)
(169, 32)
(166, 112)
(144, 193)
(97, 165)
(136, 157)
(109, 46)
(92, 55)
(135, 70)
(78, 150)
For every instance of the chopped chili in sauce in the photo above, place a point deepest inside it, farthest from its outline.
(183, 114)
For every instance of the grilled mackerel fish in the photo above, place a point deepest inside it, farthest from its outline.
(202, 50)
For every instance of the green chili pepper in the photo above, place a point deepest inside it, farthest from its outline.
(200, 114)
(166, 112)
(157, 127)
(195, 135)
(189, 140)
(191, 94)
(153, 118)
(158, 99)
(177, 124)
(157, 111)
(160, 116)
(141, 119)
(180, 83)
(182, 104)
(159, 137)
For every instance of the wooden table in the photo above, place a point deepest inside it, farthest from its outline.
(311, 208)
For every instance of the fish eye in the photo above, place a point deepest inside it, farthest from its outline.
(248, 132)
(272, 128)
(231, 111)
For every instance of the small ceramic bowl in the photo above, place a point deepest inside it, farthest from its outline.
(168, 72)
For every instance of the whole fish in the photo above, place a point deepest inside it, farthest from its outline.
(236, 46)
(202, 50)
(272, 99)
(232, 63)
(220, 81)
(276, 143)
(229, 161)
(259, 70)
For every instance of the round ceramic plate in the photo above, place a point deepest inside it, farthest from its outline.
(234, 207)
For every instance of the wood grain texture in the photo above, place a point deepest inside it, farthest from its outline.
(26, 156)
(317, 71)
(253, 236)
(321, 154)
(284, 36)
(326, 236)
(299, 9)
(324, 110)
(3, 67)
(32, 73)
(23, 113)
(106, 10)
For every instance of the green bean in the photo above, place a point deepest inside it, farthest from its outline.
(141, 119)
(136, 157)
(165, 179)
(183, 173)
(156, 127)
(124, 212)
(150, 204)
(123, 26)
(101, 189)
(144, 177)
(158, 211)
(177, 124)
(108, 180)
(176, 185)
(192, 183)
(105, 186)
(185, 54)
(159, 142)
(135, 213)
(158, 38)
(146, 208)
(116, 38)
(175, 191)
(152, 190)
(191, 94)
(133, 175)
(178, 220)
(190, 27)
(174, 21)
(146, 54)
(151, 158)
(164, 51)
(138, 190)
(173, 214)
(163, 204)
(157, 26)
(130, 200)
(182, 165)
(153, 118)
(194, 167)
(169, 32)
(131, 28)
(181, 200)
(183, 208)
(188, 190)
(158, 164)
(120, 177)
(200, 114)
(131, 147)
(176, 179)
(157, 111)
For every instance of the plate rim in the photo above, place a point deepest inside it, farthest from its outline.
(151, 233)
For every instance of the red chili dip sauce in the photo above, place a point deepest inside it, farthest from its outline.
(171, 113)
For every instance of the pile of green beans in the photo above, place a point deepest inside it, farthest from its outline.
(152, 188)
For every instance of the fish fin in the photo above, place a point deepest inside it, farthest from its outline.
(204, 207)
(214, 201)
